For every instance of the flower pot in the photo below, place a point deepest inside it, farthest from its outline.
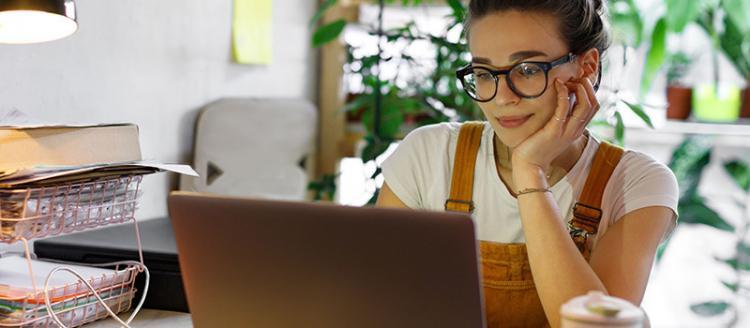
(679, 101)
(745, 110)
(716, 104)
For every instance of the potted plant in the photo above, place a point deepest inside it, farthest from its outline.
(727, 23)
(679, 95)
(689, 162)
(734, 42)
(745, 110)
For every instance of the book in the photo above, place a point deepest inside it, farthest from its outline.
(55, 145)
(45, 175)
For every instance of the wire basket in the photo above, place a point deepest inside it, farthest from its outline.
(52, 210)
(74, 304)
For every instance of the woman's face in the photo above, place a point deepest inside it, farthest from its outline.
(499, 41)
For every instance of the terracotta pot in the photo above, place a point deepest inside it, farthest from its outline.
(679, 101)
(745, 110)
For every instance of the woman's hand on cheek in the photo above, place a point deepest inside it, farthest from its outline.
(541, 148)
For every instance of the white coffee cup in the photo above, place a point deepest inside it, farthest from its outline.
(596, 310)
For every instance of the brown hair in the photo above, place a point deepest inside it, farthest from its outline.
(581, 23)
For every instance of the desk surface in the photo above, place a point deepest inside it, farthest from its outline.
(148, 318)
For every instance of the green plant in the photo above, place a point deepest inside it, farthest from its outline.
(627, 23)
(678, 65)
(735, 41)
(627, 26)
(688, 163)
(678, 15)
(727, 23)
(325, 188)
(387, 106)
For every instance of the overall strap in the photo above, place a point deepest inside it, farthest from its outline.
(587, 212)
(462, 182)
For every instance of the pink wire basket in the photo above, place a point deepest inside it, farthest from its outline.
(74, 304)
(48, 211)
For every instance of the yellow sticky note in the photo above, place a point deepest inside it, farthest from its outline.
(251, 31)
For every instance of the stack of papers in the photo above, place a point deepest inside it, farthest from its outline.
(41, 176)
(43, 212)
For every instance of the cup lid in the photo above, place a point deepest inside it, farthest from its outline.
(595, 307)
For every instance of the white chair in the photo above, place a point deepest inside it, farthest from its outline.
(253, 148)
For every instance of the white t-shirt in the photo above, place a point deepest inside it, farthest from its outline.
(419, 174)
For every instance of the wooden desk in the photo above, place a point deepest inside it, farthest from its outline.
(148, 318)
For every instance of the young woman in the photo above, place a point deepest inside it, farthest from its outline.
(548, 200)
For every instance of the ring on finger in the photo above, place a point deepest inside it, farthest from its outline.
(560, 119)
(579, 120)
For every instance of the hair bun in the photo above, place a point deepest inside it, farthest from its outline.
(598, 5)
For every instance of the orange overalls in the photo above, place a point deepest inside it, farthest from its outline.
(510, 297)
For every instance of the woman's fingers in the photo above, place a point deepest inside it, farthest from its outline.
(563, 105)
(591, 93)
(581, 111)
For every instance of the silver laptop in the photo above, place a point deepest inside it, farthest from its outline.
(260, 263)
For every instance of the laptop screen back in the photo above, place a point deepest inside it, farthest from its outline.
(259, 263)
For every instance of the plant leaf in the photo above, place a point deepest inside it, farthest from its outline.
(688, 161)
(619, 129)
(328, 32)
(626, 21)
(740, 173)
(735, 43)
(361, 101)
(374, 148)
(321, 10)
(599, 122)
(326, 186)
(408, 105)
(459, 11)
(735, 264)
(697, 212)
(739, 12)
(731, 286)
(743, 255)
(744, 250)
(656, 55)
(680, 13)
(710, 309)
(391, 116)
(638, 110)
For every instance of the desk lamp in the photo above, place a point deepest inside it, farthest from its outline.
(34, 21)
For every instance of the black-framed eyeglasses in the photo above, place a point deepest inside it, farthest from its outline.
(526, 79)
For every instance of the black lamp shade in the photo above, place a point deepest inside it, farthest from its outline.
(33, 21)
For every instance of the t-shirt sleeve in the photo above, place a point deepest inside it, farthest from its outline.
(645, 182)
(406, 169)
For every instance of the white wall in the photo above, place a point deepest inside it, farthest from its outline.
(154, 63)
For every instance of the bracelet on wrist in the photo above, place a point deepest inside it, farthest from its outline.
(532, 190)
